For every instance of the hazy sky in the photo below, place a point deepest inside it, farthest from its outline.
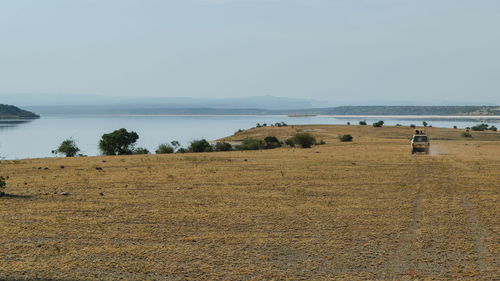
(408, 50)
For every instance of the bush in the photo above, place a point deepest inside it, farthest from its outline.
(455, 127)
(362, 123)
(200, 146)
(252, 144)
(3, 184)
(140, 150)
(304, 140)
(398, 125)
(165, 148)
(413, 126)
(493, 128)
(480, 127)
(290, 142)
(425, 124)
(119, 142)
(348, 123)
(68, 148)
(378, 124)
(345, 138)
(321, 142)
(223, 146)
(272, 142)
(175, 144)
(466, 135)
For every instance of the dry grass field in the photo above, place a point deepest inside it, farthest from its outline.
(364, 210)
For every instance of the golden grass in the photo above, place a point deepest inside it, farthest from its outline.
(361, 210)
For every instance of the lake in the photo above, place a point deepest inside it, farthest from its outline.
(37, 138)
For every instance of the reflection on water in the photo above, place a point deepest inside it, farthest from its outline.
(6, 124)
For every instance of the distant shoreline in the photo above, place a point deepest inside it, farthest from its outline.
(286, 115)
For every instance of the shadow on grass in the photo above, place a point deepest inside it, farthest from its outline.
(15, 196)
(37, 279)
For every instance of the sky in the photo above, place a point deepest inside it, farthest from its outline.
(340, 51)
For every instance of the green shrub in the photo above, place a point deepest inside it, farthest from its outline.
(425, 124)
(165, 148)
(455, 127)
(413, 126)
(345, 138)
(200, 146)
(493, 128)
(182, 150)
(466, 135)
(223, 146)
(290, 142)
(304, 140)
(321, 142)
(378, 124)
(362, 123)
(119, 142)
(398, 125)
(252, 144)
(140, 150)
(272, 142)
(68, 148)
(480, 127)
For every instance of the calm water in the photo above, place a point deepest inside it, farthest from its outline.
(38, 138)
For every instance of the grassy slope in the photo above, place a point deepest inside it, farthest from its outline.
(361, 210)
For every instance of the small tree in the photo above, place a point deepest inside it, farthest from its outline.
(165, 148)
(493, 128)
(425, 124)
(68, 148)
(223, 146)
(200, 146)
(119, 142)
(362, 123)
(345, 138)
(304, 140)
(378, 124)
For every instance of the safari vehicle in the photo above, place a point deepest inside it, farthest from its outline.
(420, 142)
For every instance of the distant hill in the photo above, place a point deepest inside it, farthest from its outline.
(340, 110)
(404, 110)
(260, 102)
(12, 112)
